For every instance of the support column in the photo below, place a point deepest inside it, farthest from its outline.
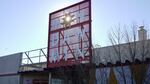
(50, 78)
(21, 79)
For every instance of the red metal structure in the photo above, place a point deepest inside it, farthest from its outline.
(69, 38)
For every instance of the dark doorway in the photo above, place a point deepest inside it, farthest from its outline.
(40, 81)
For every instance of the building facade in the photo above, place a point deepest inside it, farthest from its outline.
(108, 67)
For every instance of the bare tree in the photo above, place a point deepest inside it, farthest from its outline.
(131, 40)
(144, 51)
(116, 39)
(127, 41)
(137, 50)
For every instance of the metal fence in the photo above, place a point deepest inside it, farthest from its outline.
(34, 59)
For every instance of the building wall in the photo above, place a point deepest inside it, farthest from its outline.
(30, 78)
(10, 63)
(9, 67)
(14, 79)
(122, 53)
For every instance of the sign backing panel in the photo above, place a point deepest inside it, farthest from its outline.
(69, 39)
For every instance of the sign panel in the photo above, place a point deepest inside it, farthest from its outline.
(69, 40)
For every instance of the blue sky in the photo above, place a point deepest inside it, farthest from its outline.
(24, 23)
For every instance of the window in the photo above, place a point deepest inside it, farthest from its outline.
(102, 75)
(57, 81)
(123, 74)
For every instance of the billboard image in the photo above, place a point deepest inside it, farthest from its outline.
(69, 40)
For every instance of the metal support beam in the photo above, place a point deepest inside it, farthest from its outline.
(28, 57)
(44, 53)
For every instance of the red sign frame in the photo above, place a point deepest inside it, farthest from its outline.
(70, 44)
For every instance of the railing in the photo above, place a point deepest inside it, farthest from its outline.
(34, 60)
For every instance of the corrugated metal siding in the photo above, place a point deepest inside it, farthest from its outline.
(108, 54)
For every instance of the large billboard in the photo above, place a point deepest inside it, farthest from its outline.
(69, 40)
